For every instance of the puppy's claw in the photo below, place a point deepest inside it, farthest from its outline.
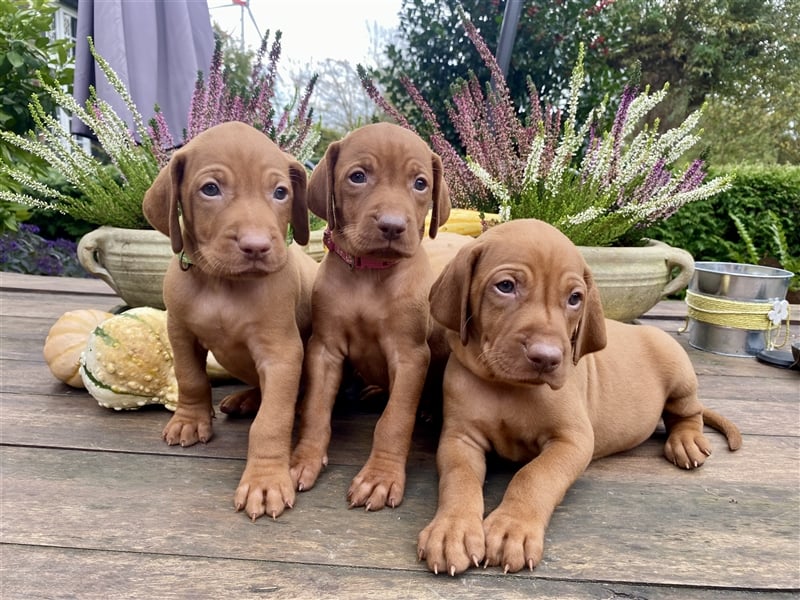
(530, 564)
(475, 561)
(435, 568)
(300, 486)
(452, 570)
(506, 569)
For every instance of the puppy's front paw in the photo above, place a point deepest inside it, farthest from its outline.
(306, 465)
(381, 482)
(687, 448)
(264, 490)
(188, 426)
(452, 543)
(514, 540)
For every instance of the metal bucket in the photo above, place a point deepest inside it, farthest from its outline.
(733, 306)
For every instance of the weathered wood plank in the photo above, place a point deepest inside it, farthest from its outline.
(54, 285)
(683, 534)
(98, 574)
(47, 308)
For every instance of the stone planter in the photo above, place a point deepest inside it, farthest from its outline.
(133, 261)
(632, 280)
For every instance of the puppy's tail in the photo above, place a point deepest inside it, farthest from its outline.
(725, 426)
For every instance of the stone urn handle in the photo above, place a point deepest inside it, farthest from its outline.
(681, 259)
(91, 252)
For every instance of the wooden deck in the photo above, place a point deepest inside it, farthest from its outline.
(95, 505)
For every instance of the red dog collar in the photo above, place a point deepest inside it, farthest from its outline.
(355, 262)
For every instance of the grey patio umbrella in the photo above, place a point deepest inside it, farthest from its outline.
(155, 46)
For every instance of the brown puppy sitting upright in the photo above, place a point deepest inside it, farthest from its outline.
(370, 304)
(537, 375)
(226, 200)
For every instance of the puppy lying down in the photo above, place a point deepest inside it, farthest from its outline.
(537, 375)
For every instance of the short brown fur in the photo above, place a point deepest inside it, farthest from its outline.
(538, 375)
(374, 187)
(234, 288)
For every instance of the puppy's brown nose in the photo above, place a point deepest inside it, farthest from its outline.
(391, 226)
(254, 246)
(545, 358)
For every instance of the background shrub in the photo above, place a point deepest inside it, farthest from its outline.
(706, 230)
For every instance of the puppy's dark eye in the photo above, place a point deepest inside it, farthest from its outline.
(280, 193)
(506, 286)
(575, 299)
(358, 177)
(210, 189)
(420, 184)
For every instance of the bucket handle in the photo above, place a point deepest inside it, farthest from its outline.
(684, 262)
(91, 250)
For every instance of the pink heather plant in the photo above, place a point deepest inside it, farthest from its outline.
(597, 187)
(213, 103)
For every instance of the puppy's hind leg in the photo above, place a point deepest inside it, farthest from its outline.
(241, 404)
(686, 445)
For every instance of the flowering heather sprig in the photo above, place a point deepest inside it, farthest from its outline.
(213, 103)
(161, 136)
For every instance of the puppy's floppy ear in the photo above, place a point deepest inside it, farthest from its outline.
(321, 186)
(590, 336)
(441, 197)
(162, 200)
(449, 295)
(300, 227)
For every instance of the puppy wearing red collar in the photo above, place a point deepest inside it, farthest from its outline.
(370, 298)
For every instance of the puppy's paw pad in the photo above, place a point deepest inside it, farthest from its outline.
(375, 488)
(305, 470)
(452, 544)
(687, 450)
(513, 542)
(179, 431)
(264, 494)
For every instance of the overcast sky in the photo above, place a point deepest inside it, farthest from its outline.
(313, 30)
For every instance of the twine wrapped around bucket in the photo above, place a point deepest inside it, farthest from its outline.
(752, 316)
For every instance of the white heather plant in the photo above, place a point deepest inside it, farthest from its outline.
(111, 186)
(597, 187)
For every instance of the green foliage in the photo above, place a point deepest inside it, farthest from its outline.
(28, 57)
(766, 201)
(714, 46)
(740, 52)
